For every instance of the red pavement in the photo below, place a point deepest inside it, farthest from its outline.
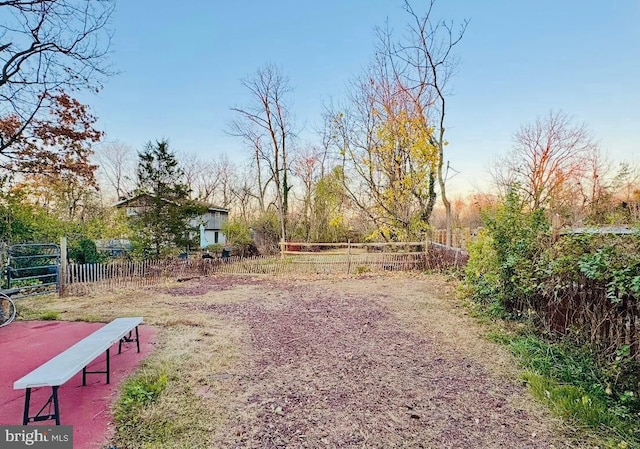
(25, 345)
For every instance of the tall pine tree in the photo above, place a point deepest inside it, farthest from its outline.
(163, 222)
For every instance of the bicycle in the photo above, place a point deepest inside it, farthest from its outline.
(7, 310)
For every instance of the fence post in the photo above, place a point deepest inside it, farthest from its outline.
(62, 271)
(426, 251)
(349, 257)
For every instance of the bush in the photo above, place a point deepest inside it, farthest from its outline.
(482, 274)
(266, 233)
(583, 290)
(84, 251)
(239, 237)
(502, 269)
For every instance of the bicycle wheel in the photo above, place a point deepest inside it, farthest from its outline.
(7, 310)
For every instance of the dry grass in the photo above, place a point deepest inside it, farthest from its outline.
(192, 350)
(376, 361)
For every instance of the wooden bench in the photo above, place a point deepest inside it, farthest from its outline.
(65, 365)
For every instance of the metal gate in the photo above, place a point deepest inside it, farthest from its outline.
(32, 269)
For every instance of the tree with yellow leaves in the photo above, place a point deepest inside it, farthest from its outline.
(388, 157)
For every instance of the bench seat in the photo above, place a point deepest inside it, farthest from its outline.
(65, 365)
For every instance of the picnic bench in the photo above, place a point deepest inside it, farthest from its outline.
(68, 363)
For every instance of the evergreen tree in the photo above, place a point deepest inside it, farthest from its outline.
(163, 222)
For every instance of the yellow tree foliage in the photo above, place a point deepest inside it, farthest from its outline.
(403, 159)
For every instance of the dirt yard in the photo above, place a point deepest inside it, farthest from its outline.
(369, 362)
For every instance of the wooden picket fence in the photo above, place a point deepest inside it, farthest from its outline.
(84, 278)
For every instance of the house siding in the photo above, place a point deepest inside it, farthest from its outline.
(209, 224)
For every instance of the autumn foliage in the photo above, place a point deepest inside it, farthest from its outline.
(57, 146)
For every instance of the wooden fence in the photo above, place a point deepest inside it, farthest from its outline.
(593, 311)
(81, 279)
(460, 237)
(583, 311)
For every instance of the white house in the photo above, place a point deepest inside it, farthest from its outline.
(210, 223)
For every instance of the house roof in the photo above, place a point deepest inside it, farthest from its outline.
(127, 201)
(217, 209)
(133, 199)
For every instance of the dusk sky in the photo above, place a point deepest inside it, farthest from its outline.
(181, 64)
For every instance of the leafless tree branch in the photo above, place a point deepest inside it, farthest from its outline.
(48, 46)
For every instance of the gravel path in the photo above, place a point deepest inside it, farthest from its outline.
(370, 363)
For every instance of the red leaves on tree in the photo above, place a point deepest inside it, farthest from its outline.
(58, 145)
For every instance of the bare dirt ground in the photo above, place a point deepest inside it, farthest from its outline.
(373, 362)
(389, 361)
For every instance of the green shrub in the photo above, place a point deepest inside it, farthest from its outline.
(239, 237)
(515, 267)
(502, 268)
(84, 251)
(482, 274)
(266, 232)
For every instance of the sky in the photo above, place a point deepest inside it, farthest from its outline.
(181, 64)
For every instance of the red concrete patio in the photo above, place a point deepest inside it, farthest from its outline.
(24, 345)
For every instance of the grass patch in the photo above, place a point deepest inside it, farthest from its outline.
(570, 401)
(155, 410)
(37, 308)
(139, 391)
(571, 382)
(162, 406)
(49, 315)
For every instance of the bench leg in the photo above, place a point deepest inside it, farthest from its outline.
(107, 372)
(128, 339)
(27, 400)
(38, 417)
(56, 406)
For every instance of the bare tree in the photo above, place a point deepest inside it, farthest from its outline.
(306, 167)
(353, 134)
(244, 194)
(205, 178)
(625, 192)
(266, 123)
(550, 155)
(226, 173)
(192, 166)
(594, 188)
(48, 47)
(117, 164)
(253, 137)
